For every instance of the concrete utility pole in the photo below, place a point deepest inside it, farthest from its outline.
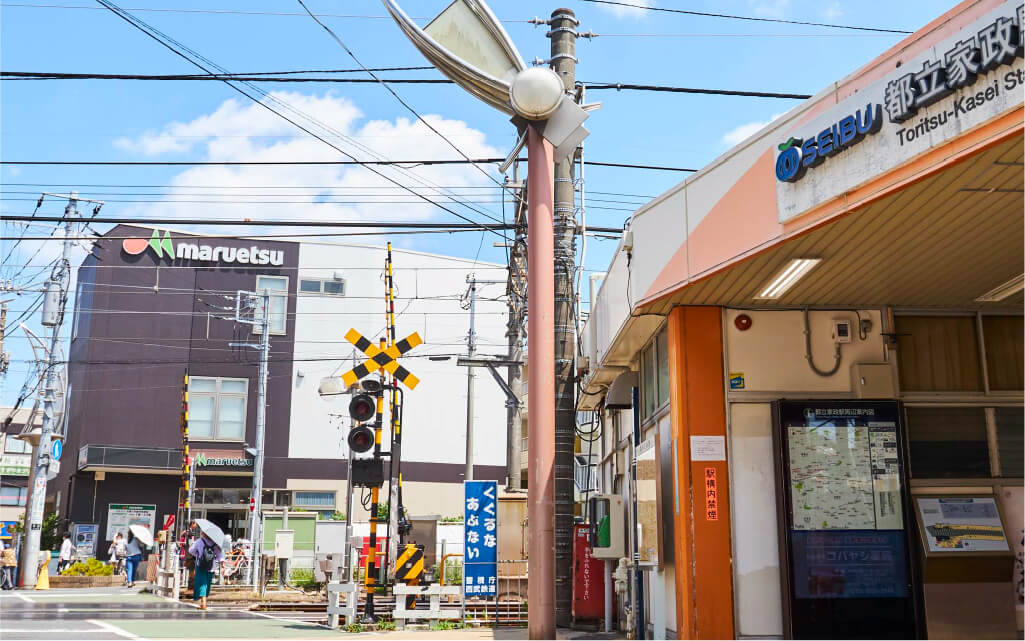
(5, 358)
(242, 303)
(515, 290)
(471, 347)
(563, 35)
(55, 298)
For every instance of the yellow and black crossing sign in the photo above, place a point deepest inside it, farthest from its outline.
(409, 569)
(382, 359)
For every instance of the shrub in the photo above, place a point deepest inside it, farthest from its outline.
(92, 567)
(385, 626)
(353, 627)
(302, 577)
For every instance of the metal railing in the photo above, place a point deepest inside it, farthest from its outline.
(509, 606)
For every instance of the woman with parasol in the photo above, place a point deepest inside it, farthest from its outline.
(207, 553)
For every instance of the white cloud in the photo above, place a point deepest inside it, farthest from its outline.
(237, 131)
(741, 133)
(770, 8)
(621, 11)
(832, 11)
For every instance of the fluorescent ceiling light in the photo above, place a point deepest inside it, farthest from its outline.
(785, 279)
(1000, 292)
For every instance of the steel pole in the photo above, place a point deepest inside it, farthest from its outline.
(255, 517)
(471, 348)
(540, 387)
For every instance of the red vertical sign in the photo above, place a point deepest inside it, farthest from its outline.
(711, 495)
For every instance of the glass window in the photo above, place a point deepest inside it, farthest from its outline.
(14, 496)
(315, 499)
(16, 445)
(648, 381)
(277, 285)
(310, 286)
(662, 347)
(217, 408)
(336, 287)
(1010, 440)
(948, 442)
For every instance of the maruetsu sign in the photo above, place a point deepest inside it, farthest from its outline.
(163, 246)
(913, 99)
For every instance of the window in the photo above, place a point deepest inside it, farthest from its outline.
(334, 287)
(655, 375)
(1003, 336)
(83, 301)
(948, 442)
(938, 354)
(1010, 423)
(277, 286)
(315, 499)
(14, 445)
(13, 496)
(217, 408)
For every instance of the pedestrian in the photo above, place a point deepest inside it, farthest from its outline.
(8, 561)
(118, 553)
(133, 552)
(207, 554)
(67, 550)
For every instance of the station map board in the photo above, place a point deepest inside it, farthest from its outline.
(845, 506)
(961, 524)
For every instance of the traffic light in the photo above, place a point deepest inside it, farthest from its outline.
(362, 407)
(361, 439)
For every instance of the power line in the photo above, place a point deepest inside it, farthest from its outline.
(177, 48)
(214, 11)
(294, 223)
(232, 163)
(714, 92)
(749, 18)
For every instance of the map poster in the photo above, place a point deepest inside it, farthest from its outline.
(831, 476)
(962, 524)
(120, 516)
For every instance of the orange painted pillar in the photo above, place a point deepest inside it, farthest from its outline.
(701, 513)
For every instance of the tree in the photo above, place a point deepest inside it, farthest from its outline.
(50, 536)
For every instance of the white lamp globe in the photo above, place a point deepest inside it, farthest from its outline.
(536, 93)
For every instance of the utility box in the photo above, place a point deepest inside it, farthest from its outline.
(424, 532)
(873, 380)
(588, 578)
(284, 541)
(605, 512)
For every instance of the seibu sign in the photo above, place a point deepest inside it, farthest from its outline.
(163, 246)
(965, 80)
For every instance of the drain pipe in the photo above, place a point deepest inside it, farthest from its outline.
(639, 623)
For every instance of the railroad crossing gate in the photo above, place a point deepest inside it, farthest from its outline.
(378, 358)
(409, 568)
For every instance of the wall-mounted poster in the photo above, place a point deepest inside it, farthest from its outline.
(120, 516)
(962, 524)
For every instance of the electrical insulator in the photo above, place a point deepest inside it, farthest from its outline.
(51, 303)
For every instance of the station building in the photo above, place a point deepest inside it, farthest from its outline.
(812, 349)
(151, 303)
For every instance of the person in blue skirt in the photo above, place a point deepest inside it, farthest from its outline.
(207, 554)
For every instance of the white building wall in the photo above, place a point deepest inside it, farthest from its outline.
(428, 288)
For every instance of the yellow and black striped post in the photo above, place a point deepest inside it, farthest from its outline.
(409, 569)
(370, 579)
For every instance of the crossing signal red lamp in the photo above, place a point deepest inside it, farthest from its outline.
(361, 439)
(362, 407)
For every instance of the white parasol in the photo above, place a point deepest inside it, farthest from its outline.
(142, 533)
(210, 529)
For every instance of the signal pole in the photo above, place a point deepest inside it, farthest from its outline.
(54, 301)
(243, 301)
(563, 35)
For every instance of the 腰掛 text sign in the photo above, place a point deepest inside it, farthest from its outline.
(480, 544)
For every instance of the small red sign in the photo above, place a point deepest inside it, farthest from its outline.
(168, 522)
(711, 495)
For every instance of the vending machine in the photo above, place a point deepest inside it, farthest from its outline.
(847, 559)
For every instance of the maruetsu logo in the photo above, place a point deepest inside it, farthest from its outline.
(797, 155)
(163, 246)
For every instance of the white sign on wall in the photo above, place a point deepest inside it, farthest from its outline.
(121, 516)
(963, 81)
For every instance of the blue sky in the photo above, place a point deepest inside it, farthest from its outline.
(133, 120)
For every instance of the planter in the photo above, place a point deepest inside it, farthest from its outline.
(86, 581)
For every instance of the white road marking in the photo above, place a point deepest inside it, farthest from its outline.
(113, 628)
(52, 630)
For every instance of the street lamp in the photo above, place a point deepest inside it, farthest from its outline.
(467, 43)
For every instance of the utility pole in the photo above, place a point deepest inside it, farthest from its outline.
(471, 347)
(243, 302)
(563, 35)
(5, 358)
(55, 298)
(515, 290)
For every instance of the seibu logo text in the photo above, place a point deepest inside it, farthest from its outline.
(797, 155)
(163, 246)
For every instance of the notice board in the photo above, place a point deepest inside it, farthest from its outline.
(843, 502)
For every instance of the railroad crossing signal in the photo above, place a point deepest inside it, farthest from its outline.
(382, 358)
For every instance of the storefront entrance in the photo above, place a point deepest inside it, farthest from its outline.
(234, 523)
